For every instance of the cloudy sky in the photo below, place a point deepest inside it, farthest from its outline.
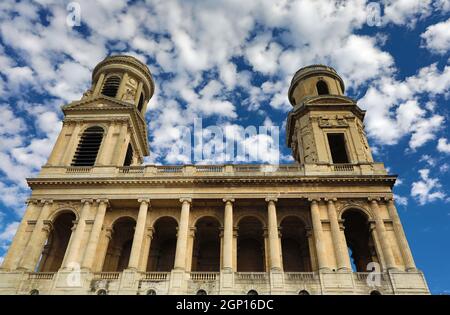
(230, 63)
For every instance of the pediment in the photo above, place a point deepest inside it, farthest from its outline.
(100, 103)
(329, 100)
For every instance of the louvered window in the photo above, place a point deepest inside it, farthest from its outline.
(87, 149)
(128, 156)
(111, 86)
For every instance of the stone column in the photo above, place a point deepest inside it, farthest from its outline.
(91, 248)
(138, 234)
(381, 232)
(19, 242)
(274, 240)
(318, 236)
(227, 252)
(183, 229)
(73, 256)
(37, 238)
(103, 252)
(400, 235)
(339, 250)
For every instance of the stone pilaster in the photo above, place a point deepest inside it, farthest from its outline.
(339, 250)
(37, 239)
(183, 229)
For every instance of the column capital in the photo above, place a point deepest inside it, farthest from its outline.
(104, 200)
(109, 232)
(228, 199)
(330, 200)
(270, 198)
(373, 199)
(314, 199)
(144, 200)
(150, 232)
(31, 201)
(186, 199)
(46, 201)
(48, 226)
(84, 201)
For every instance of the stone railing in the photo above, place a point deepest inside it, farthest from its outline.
(156, 276)
(217, 170)
(107, 275)
(204, 276)
(376, 278)
(252, 276)
(41, 275)
(301, 276)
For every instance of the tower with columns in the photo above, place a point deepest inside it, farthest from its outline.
(98, 221)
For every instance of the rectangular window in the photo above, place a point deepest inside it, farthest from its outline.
(337, 148)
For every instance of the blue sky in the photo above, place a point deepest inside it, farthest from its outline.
(230, 64)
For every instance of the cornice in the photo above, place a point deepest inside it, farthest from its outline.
(183, 181)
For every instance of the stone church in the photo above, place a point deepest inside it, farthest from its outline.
(98, 221)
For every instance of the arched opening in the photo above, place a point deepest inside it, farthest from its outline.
(359, 239)
(252, 292)
(303, 292)
(151, 292)
(34, 292)
(250, 246)
(102, 292)
(375, 292)
(294, 244)
(141, 102)
(111, 86)
(201, 292)
(206, 255)
(322, 88)
(57, 242)
(119, 247)
(163, 246)
(88, 147)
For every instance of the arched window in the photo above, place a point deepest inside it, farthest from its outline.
(163, 245)
(322, 88)
(201, 292)
(252, 292)
(141, 102)
(375, 292)
(34, 292)
(206, 256)
(151, 292)
(359, 239)
(56, 246)
(87, 149)
(111, 86)
(250, 246)
(102, 292)
(303, 292)
(294, 244)
(119, 247)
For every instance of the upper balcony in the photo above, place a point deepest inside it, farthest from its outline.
(228, 170)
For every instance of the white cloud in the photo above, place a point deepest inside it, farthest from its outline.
(427, 189)
(443, 145)
(403, 201)
(406, 12)
(437, 37)
(395, 111)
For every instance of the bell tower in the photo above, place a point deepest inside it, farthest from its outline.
(107, 126)
(325, 126)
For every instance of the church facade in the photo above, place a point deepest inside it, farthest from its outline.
(98, 221)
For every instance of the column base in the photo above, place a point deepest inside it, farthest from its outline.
(276, 281)
(226, 281)
(178, 282)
